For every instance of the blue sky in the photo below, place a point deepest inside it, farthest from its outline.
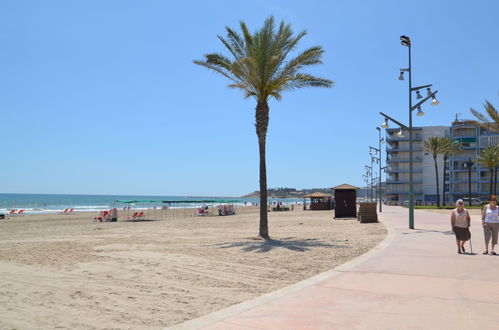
(102, 97)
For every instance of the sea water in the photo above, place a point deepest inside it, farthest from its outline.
(54, 203)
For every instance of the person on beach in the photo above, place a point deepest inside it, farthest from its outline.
(460, 221)
(490, 223)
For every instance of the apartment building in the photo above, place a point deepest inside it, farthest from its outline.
(463, 165)
(397, 149)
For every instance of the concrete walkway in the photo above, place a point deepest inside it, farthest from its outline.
(413, 279)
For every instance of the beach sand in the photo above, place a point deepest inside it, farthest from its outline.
(69, 272)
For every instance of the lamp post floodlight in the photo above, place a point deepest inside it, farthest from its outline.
(406, 41)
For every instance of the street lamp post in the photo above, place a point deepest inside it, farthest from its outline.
(406, 41)
(366, 180)
(369, 173)
(378, 160)
(380, 141)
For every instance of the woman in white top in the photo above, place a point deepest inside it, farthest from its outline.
(490, 223)
(460, 221)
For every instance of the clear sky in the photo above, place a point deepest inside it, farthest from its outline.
(102, 97)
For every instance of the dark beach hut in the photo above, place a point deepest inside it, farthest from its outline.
(320, 201)
(345, 197)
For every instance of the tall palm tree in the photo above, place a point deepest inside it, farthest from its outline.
(449, 147)
(435, 146)
(491, 123)
(489, 158)
(260, 66)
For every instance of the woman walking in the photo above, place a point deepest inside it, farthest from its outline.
(490, 223)
(460, 221)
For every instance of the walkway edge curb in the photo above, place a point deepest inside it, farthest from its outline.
(220, 315)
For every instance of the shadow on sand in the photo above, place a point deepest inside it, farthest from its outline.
(289, 243)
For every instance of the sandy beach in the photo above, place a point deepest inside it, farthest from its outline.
(69, 272)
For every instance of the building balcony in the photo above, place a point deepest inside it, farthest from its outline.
(465, 169)
(465, 192)
(406, 170)
(463, 158)
(393, 138)
(419, 149)
(465, 180)
(402, 160)
(404, 192)
(389, 181)
(465, 135)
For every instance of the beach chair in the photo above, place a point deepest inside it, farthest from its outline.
(21, 212)
(133, 217)
(71, 211)
(141, 216)
(12, 212)
(65, 211)
(106, 216)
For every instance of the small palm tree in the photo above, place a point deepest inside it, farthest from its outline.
(449, 147)
(435, 146)
(491, 123)
(260, 66)
(489, 158)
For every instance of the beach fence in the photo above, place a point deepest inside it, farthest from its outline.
(202, 208)
(135, 210)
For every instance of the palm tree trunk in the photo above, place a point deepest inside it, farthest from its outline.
(262, 123)
(443, 188)
(436, 174)
(491, 181)
(495, 181)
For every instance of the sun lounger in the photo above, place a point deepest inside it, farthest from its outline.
(71, 211)
(12, 212)
(134, 216)
(141, 216)
(21, 212)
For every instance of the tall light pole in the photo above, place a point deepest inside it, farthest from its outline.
(380, 141)
(406, 41)
(366, 180)
(378, 160)
(369, 173)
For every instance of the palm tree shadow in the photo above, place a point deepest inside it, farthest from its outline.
(262, 246)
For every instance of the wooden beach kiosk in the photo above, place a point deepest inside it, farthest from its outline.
(345, 197)
(320, 201)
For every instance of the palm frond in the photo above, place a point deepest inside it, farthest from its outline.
(480, 116)
(259, 63)
(489, 157)
(492, 112)
(489, 119)
(216, 69)
(301, 80)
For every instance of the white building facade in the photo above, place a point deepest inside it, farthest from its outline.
(424, 176)
(465, 174)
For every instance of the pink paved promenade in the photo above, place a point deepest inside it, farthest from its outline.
(414, 279)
